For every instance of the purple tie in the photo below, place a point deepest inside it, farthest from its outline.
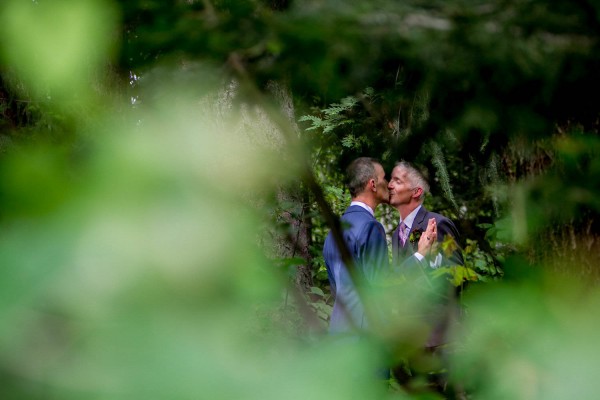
(403, 233)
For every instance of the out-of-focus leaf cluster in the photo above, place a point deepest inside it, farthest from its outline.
(528, 339)
(132, 193)
(131, 264)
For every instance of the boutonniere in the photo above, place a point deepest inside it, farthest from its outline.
(414, 237)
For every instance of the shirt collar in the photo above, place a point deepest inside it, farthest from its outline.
(410, 218)
(363, 205)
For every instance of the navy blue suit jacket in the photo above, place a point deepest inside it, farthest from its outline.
(366, 241)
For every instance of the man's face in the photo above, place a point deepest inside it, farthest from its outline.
(382, 185)
(401, 189)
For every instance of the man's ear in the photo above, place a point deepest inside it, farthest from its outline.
(418, 192)
(373, 185)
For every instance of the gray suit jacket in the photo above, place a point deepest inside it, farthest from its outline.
(445, 227)
(442, 309)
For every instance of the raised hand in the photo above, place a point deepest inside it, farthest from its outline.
(428, 238)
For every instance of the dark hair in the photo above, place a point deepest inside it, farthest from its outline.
(358, 174)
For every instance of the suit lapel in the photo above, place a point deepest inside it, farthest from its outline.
(420, 223)
(402, 252)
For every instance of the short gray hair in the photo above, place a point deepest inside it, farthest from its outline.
(415, 177)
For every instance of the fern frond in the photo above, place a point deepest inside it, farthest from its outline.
(334, 110)
(349, 141)
(344, 105)
(331, 125)
(349, 102)
(334, 116)
(316, 122)
(437, 158)
(309, 118)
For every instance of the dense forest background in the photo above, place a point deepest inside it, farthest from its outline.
(169, 170)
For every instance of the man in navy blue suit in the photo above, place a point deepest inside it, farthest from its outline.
(365, 239)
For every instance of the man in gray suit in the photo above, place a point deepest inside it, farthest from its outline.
(407, 189)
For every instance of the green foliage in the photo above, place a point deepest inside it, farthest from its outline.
(338, 116)
(437, 158)
(149, 260)
(64, 45)
(480, 262)
(528, 330)
(458, 274)
(338, 199)
(479, 266)
(130, 233)
(288, 265)
(320, 303)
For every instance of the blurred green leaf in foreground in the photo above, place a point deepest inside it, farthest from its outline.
(534, 338)
(130, 264)
(130, 261)
(144, 279)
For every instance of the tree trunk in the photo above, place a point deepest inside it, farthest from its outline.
(296, 216)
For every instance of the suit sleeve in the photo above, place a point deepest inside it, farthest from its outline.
(331, 278)
(373, 253)
(327, 257)
(446, 227)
